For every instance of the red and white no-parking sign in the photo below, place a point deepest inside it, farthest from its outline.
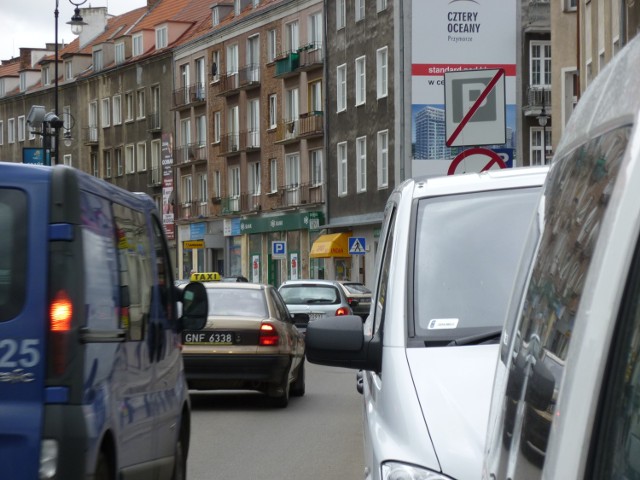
(476, 160)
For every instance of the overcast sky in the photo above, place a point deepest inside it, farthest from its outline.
(31, 23)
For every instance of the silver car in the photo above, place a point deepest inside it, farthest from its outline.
(316, 298)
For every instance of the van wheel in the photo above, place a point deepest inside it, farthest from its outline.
(103, 472)
(298, 387)
(180, 461)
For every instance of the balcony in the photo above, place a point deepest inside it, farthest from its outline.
(193, 152)
(301, 194)
(192, 210)
(153, 122)
(245, 78)
(287, 131)
(230, 144)
(311, 124)
(154, 178)
(186, 96)
(287, 64)
(311, 56)
(90, 135)
(537, 96)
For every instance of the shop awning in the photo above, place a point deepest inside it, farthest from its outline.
(331, 245)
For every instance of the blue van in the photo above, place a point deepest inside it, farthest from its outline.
(91, 375)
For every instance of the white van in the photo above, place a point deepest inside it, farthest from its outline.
(449, 251)
(566, 399)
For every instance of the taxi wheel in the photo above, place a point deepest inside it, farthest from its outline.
(282, 399)
(298, 387)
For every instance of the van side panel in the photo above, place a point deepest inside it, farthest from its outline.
(24, 197)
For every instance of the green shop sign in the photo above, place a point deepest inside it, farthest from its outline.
(281, 223)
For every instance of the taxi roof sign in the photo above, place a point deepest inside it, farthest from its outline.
(205, 277)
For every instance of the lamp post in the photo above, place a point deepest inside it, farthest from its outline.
(543, 118)
(76, 28)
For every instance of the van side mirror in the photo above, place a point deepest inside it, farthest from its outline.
(195, 306)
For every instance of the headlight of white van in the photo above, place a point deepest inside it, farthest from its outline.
(402, 471)
(48, 459)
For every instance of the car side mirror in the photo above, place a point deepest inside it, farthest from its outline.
(195, 306)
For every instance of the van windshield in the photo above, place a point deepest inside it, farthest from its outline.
(13, 241)
(467, 253)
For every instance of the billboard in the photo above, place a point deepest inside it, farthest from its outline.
(168, 195)
(454, 36)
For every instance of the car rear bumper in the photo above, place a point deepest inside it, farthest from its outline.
(211, 372)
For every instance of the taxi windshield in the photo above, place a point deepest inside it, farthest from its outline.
(230, 302)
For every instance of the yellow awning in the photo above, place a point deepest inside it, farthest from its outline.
(331, 245)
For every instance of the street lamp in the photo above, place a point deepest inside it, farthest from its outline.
(543, 118)
(76, 27)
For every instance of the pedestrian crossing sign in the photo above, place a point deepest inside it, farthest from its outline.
(357, 246)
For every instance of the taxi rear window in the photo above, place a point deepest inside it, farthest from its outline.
(13, 264)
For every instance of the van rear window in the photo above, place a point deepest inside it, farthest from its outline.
(13, 252)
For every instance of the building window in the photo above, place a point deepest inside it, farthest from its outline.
(98, 62)
(359, 4)
(254, 178)
(11, 130)
(119, 53)
(156, 154)
(187, 190)
(216, 127)
(68, 70)
(273, 175)
(342, 169)
(202, 183)
(21, 128)
(137, 45)
(383, 159)
(234, 182)
(272, 45)
(315, 30)
(215, 16)
(106, 155)
(315, 167)
(46, 75)
(361, 164)
(141, 104)
(66, 160)
(341, 82)
(215, 64)
(232, 59)
(162, 37)
(293, 37)
(535, 152)
(292, 170)
(201, 130)
(315, 96)
(117, 110)
(95, 165)
(540, 64)
(216, 183)
(570, 5)
(23, 81)
(142, 157)
(381, 5)
(361, 81)
(341, 14)
(382, 75)
(1, 132)
(273, 111)
(119, 166)
(570, 82)
(128, 100)
(129, 158)
(106, 113)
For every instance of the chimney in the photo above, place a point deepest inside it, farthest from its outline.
(96, 19)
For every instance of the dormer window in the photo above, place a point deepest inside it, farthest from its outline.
(137, 44)
(46, 76)
(68, 70)
(119, 52)
(162, 37)
(98, 62)
(23, 81)
(237, 7)
(215, 16)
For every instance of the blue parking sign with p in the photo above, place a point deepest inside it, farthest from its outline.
(278, 248)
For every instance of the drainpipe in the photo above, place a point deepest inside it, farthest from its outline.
(623, 24)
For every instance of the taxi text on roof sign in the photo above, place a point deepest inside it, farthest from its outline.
(205, 277)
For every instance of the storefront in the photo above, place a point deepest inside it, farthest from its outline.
(200, 248)
(330, 257)
(271, 249)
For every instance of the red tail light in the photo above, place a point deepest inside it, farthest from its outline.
(268, 335)
(60, 316)
(61, 313)
(343, 311)
(349, 300)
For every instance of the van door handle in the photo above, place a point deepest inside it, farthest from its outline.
(91, 335)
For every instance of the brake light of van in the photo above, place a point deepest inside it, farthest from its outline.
(343, 311)
(61, 313)
(60, 316)
(268, 335)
